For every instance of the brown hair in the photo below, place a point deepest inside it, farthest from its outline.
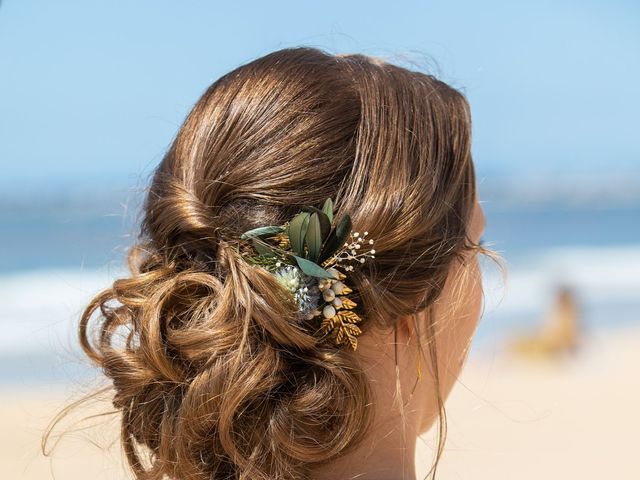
(209, 369)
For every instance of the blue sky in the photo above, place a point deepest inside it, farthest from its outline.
(95, 91)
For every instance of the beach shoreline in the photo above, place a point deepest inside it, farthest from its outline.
(508, 417)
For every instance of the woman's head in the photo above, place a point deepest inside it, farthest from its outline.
(208, 368)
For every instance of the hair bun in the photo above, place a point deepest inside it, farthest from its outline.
(219, 370)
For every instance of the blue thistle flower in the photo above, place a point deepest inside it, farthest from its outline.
(303, 287)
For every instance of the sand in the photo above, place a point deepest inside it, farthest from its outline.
(509, 418)
(530, 418)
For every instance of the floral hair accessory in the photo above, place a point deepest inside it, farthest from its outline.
(310, 257)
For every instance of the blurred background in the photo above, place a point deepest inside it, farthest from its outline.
(92, 93)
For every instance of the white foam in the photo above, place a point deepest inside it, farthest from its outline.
(40, 309)
(596, 274)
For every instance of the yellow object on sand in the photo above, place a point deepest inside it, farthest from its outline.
(560, 332)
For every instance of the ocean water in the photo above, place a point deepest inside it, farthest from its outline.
(57, 253)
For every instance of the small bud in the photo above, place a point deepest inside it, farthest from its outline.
(329, 311)
(371, 241)
(338, 287)
(333, 272)
(328, 295)
(356, 234)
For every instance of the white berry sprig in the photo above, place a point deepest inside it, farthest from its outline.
(357, 249)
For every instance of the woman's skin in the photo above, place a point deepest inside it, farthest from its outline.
(385, 454)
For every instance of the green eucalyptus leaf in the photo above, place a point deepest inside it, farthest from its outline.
(260, 231)
(312, 269)
(327, 208)
(325, 225)
(336, 239)
(343, 228)
(297, 231)
(311, 209)
(262, 248)
(313, 238)
(328, 248)
(325, 221)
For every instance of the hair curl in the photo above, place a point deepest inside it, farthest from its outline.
(210, 370)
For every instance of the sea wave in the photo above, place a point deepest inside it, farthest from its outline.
(604, 280)
(41, 308)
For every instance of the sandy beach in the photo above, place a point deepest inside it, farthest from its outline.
(509, 418)
(528, 418)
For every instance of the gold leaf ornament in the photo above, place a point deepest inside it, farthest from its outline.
(347, 303)
(342, 328)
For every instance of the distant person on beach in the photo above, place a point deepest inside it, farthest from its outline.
(560, 332)
(306, 282)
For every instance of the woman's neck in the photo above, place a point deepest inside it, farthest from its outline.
(384, 455)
